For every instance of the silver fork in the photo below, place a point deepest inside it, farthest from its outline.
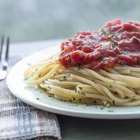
(4, 57)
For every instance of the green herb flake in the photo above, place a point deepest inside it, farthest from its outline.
(50, 95)
(70, 100)
(113, 102)
(75, 90)
(100, 56)
(95, 102)
(82, 93)
(104, 48)
(102, 108)
(122, 62)
(78, 68)
(36, 70)
(73, 98)
(93, 81)
(114, 43)
(89, 43)
(78, 91)
(80, 88)
(64, 79)
(138, 60)
(29, 64)
(88, 104)
(49, 87)
(110, 110)
(53, 75)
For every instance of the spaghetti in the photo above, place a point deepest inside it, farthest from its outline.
(79, 75)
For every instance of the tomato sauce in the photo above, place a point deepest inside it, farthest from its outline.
(116, 43)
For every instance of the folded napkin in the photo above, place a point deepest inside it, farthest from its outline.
(19, 121)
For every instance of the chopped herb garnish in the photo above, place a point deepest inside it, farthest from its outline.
(95, 102)
(49, 87)
(110, 110)
(73, 98)
(138, 60)
(36, 70)
(114, 43)
(88, 104)
(80, 88)
(104, 48)
(77, 91)
(78, 68)
(102, 108)
(113, 102)
(93, 81)
(64, 79)
(122, 62)
(82, 93)
(29, 64)
(108, 34)
(89, 43)
(100, 56)
(70, 100)
(53, 74)
(50, 95)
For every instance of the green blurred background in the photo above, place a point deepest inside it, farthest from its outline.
(32, 20)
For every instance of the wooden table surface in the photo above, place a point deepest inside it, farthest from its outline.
(73, 128)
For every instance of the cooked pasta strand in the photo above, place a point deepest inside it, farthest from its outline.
(119, 86)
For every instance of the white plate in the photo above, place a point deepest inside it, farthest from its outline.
(16, 84)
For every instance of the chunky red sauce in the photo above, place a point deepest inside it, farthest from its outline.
(116, 43)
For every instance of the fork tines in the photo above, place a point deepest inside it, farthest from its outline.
(4, 56)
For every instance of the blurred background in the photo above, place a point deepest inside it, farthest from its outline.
(33, 20)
